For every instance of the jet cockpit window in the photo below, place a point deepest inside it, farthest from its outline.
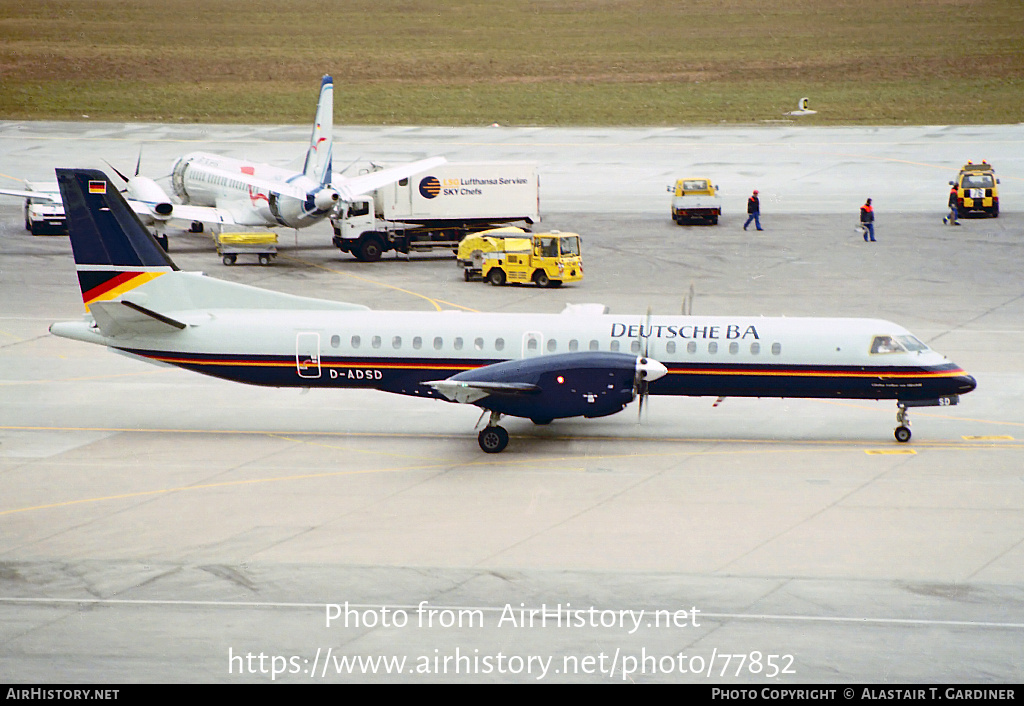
(882, 345)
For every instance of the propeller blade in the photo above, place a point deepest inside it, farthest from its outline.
(116, 171)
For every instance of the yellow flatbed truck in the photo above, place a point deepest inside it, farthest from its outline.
(695, 201)
(511, 255)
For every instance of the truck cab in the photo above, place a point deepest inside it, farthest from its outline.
(695, 201)
(977, 190)
(506, 255)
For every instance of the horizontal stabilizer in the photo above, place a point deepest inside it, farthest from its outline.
(117, 318)
(467, 392)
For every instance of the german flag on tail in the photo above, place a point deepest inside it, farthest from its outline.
(114, 251)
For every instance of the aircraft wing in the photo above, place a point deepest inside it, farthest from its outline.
(184, 214)
(351, 187)
(37, 195)
(554, 386)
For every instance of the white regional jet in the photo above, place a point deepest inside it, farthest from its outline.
(221, 191)
(537, 366)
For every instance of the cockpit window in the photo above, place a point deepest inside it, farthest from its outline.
(911, 344)
(885, 344)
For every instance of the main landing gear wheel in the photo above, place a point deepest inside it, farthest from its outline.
(902, 432)
(493, 439)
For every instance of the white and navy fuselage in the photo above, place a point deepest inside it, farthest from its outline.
(716, 356)
(540, 366)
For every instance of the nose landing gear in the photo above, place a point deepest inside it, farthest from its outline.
(902, 432)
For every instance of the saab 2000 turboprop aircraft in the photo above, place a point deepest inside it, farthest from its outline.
(537, 366)
(221, 191)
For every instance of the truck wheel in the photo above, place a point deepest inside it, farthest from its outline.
(370, 250)
(541, 279)
(496, 277)
(34, 227)
(714, 220)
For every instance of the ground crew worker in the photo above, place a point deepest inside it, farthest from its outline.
(867, 221)
(952, 217)
(753, 211)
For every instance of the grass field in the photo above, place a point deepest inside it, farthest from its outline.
(515, 62)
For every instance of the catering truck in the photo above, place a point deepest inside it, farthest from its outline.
(438, 208)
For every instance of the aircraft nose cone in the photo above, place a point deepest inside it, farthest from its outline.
(650, 369)
(967, 383)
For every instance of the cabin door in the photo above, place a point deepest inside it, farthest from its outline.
(307, 354)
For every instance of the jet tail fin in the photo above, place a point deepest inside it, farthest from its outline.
(318, 156)
(114, 252)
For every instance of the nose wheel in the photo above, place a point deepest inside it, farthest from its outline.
(902, 432)
(493, 439)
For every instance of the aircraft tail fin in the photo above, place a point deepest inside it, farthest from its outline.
(114, 252)
(318, 156)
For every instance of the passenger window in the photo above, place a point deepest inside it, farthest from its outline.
(634, 347)
(499, 344)
(670, 347)
(594, 346)
(552, 345)
(355, 341)
(734, 348)
(335, 341)
(438, 343)
(776, 348)
(479, 344)
(691, 347)
(458, 344)
(614, 347)
(713, 347)
(531, 344)
(396, 342)
(417, 342)
(755, 347)
(574, 345)
(375, 342)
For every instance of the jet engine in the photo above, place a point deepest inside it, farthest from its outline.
(325, 199)
(146, 190)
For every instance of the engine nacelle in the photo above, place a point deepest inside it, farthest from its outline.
(326, 199)
(149, 192)
(592, 384)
